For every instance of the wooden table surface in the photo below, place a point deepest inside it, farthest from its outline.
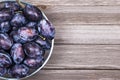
(87, 42)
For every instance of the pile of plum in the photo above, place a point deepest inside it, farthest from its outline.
(25, 36)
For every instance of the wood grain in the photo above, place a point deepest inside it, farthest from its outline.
(87, 42)
(76, 2)
(77, 75)
(76, 14)
(87, 34)
(85, 57)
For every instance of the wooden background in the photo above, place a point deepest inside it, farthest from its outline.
(87, 42)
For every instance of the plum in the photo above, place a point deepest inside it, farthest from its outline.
(45, 44)
(3, 71)
(46, 29)
(32, 13)
(33, 50)
(5, 27)
(5, 41)
(34, 62)
(27, 34)
(17, 53)
(5, 60)
(14, 6)
(19, 71)
(18, 20)
(5, 15)
(31, 24)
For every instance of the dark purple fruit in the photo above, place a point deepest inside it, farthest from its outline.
(5, 41)
(18, 20)
(15, 36)
(14, 28)
(5, 27)
(27, 34)
(32, 24)
(45, 44)
(5, 15)
(33, 50)
(19, 71)
(32, 13)
(17, 53)
(12, 5)
(25, 39)
(3, 71)
(5, 60)
(34, 62)
(46, 29)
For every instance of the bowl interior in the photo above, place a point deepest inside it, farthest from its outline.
(46, 56)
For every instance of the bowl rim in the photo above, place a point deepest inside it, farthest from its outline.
(46, 60)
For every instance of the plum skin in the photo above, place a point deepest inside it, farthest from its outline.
(19, 71)
(5, 60)
(3, 71)
(33, 50)
(5, 15)
(17, 53)
(34, 63)
(5, 27)
(24, 34)
(18, 20)
(20, 47)
(5, 41)
(27, 33)
(46, 29)
(45, 44)
(32, 13)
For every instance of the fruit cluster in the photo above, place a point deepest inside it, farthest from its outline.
(25, 35)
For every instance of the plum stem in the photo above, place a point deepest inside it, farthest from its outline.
(21, 4)
(42, 37)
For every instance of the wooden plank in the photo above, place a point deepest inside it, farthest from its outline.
(84, 18)
(76, 2)
(75, 14)
(76, 75)
(87, 34)
(85, 57)
(80, 9)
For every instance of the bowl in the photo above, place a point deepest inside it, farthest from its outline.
(46, 57)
